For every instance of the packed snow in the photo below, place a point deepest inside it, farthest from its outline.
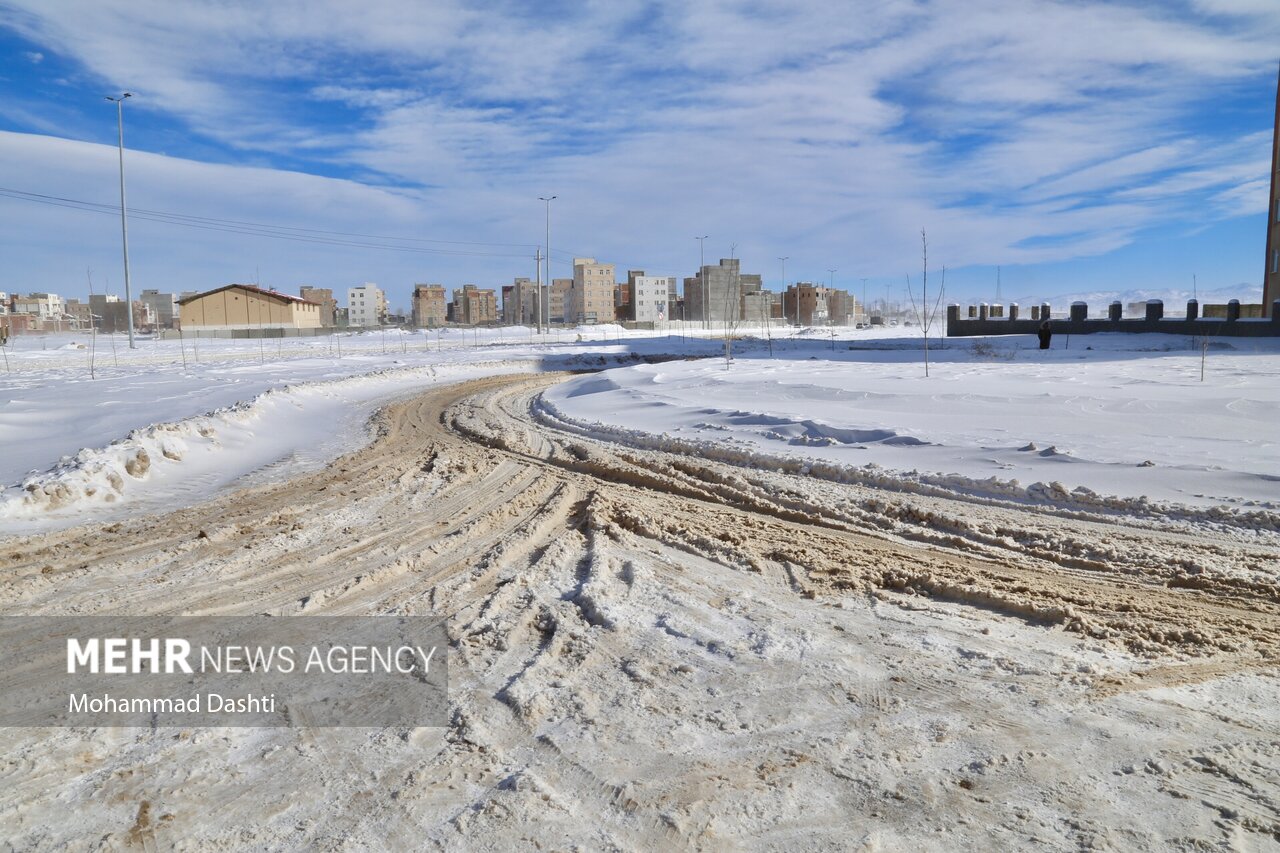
(1097, 416)
(1099, 421)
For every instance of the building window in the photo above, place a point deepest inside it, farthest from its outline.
(1275, 260)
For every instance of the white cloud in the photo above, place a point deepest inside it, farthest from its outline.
(827, 131)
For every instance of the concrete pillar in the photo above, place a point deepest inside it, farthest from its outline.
(1044, 310)
(973, 312)
(1233, 310)
(1013, 310)
(953, 316)
(1115, 312)
(1035, 312)
(1079, 312)
(1193, 309)
(1155, 309)
(984, 312)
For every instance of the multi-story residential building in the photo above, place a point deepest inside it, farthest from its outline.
(5, 307)
(519, 302)
(80, 313)
(844, 309)
(531, 303)
(322, 296)
(651, 297)
(163, 307)
(591, 297)
(813, 304)
(724, 285)
(474, 306)
(558, 303)
(760, 306)
(366, 306)
(42, 306)
(430, 308)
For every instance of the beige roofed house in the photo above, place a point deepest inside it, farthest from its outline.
(244, 306)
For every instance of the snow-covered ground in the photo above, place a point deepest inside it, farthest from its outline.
(1102, 415)
(653, 650)
(168, 424)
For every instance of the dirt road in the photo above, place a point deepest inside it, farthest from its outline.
(654, 650)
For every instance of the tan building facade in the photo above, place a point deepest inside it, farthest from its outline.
(475, 306)
(559, 301)
(430, 308)
(813, 301)
(591, 297)
(322, 296)
(244, 306)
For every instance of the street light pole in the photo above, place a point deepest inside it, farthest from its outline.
(784, 292)
(702, 277)
(831, 286)
(124, 222)
(548, 200)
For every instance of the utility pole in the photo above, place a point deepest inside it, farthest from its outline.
(124, 222)
(702, 277)
(548, 200)
(831, 317)
(537, 291)
(784, 292)
(864, 302)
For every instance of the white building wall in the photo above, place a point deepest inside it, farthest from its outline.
(652, 297)
(366, 306)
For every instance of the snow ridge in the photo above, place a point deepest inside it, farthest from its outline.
(1082, 501)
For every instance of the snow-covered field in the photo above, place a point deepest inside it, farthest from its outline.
(1108, 421)
(683, 613)
(155, 427)
(1105, 415)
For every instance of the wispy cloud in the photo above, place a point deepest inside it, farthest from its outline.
(826, 131)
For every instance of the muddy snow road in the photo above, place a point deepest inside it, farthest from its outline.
(650, 650)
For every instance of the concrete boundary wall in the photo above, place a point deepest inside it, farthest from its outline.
(1078, 322)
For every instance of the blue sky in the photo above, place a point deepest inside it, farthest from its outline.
(1081, 147)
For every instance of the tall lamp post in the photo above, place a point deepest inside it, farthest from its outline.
(124, 222)
(548, 200)
(831, 285)
(784, 292)
(702, 276)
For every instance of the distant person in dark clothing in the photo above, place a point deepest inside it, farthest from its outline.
(1045, 334)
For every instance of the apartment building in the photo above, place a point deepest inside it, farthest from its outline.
(475, 306)
(430, 308)
(651, 297)
(41, 306)
(724, 285)
(322, 296)
(761, 306)
(813, 301)
(558, 303)
(591, 296)
(163, 308)
(366, 306)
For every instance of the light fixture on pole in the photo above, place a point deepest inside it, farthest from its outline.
(548, 200)
(702, 277)
(124, 222)
(784, 292)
